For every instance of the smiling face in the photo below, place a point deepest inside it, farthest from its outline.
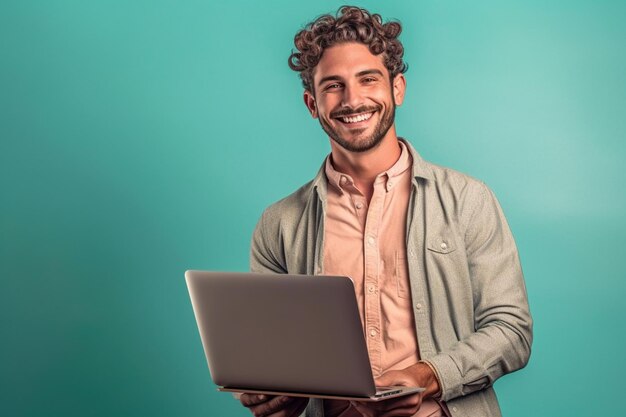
(354, 99)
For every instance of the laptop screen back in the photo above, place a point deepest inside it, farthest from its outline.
(290, 333)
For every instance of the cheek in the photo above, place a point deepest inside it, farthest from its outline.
(324, 111)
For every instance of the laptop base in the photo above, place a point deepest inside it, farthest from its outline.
(388, 393)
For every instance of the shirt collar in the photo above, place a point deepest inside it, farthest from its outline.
(336, 178)
(420, 170)
(420, 167)
(343, 182)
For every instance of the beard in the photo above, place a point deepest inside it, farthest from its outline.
(361, 142)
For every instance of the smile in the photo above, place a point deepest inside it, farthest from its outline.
(356, 118)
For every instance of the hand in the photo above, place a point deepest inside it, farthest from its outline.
(274, 406)
(418, 375)
(404, 406)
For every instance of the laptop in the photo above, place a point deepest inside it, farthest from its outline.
(279, 334)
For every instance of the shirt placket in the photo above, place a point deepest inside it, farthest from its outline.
(371, 254)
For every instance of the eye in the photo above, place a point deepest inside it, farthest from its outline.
(368, 80)
(332, 86)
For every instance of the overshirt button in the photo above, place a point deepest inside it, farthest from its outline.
(444, 246)
(418, 306)
(372, 332)
(370, 288)
(455, 409)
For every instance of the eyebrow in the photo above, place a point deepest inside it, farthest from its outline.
(358, 74)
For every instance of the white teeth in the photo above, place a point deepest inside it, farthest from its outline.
(357, 118)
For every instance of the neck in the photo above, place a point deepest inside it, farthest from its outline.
(363, 167)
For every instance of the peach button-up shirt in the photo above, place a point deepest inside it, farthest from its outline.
(367, 242)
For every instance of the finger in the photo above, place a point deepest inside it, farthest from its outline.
(373, 408)
(407, 407)
(357, 405)
(272, 406)
(365, 409)
(408, 401)
(400, 412)
(249, 400)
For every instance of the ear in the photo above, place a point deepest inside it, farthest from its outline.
(309, 101)
(399, 87)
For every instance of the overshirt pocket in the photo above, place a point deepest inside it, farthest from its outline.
(402, 281)
(441, 244)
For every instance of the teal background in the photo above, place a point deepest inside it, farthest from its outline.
(139, 139)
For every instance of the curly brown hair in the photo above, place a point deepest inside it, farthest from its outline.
(351, 24)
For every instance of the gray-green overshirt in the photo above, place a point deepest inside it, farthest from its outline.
(469, 300)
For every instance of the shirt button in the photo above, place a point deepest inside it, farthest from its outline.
(371, 240)
(370, 288)
(373, 332)
(455, 409)
(444, 246)
(418, 306)
(359, 205)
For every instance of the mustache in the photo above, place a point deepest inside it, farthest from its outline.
(347, 111)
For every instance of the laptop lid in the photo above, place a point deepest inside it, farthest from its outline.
(287, 333)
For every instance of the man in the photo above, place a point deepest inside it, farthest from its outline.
(436, 271)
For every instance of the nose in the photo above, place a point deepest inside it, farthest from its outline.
(352, 96)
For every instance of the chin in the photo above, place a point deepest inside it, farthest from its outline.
(358, 145)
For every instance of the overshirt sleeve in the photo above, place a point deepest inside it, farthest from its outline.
(263, 256)
(267, 256)
(502, 340)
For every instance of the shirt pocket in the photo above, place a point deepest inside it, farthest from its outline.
(401, 277)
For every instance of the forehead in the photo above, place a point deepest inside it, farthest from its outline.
(346, 60)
